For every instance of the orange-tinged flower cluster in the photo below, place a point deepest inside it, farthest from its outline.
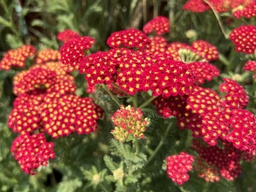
(247, 11)
(129, 124)
(244, 38)
(72, 52)
(68, 114)
(49, 77)
(32, 151)
(17, 57)
(200, 50)
(47, 55)
(129, 38)
(66, 35)
(159, 24)
(177, 167)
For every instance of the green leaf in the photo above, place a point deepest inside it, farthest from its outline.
(5, 22)
(110, 163)
(13, 41)
(69, 186)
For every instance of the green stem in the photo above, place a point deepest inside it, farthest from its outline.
(137, 146)
(224, 60)
(147, 102)
(160, 144)
(217, 17)
(134, 101)
(112, 96)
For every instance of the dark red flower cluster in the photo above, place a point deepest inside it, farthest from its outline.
(236, 96)
(129, 38)
(66, 35)
(177, 167)
(72, 52)
(221, 161)
(17, 57)
(244, 38)
(242, 133)
(32, 151)
(129, 124)
(47, 55)
(247, 11)
(159, 24)
(70, 113)
(203, 71)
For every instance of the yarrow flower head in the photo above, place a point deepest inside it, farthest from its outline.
(236, 96)
(178, 166)
(46, 55)
(129, 38)
(203, 71)
(247, 11)
(66, 35)
(244, 38)
(250, 66)
(129, 124)
(32, 151)
(17, 57)
(72, 52)
(68, 114)
(196, 6)
(222, 161)
(159, 24)
(50, 77)
(205, 50)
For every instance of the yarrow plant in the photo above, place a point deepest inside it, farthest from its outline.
(147, 112)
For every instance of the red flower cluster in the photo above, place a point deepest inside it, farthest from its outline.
(24, 117)
(158, 45)
(174, 48)
(178, 166)
(159, 24)
(203, 71)
(72, 52)
(244, 38)
(196, 6)
(17, 57)
(243, 133)
(250, 66)
(47, 55)
(129, 38)
(66, 35)
(218, 5)
(32, 151)
(247, 11)
(129, 124)
(70, 113)
(236, 96)
(221, 161)
(168, 78)
(49, 77)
